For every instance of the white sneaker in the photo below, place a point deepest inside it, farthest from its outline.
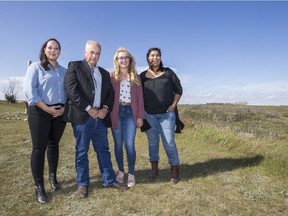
(131, 180)
(120, 177)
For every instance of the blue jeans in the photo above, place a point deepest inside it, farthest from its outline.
(125, 133)
(162, 125)
(96, 131)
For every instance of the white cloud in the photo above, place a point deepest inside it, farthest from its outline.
(199, 90)
(224, 91)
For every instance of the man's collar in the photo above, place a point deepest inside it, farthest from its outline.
(92, 66)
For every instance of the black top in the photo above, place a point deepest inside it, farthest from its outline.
(80, 90)
(159, 92)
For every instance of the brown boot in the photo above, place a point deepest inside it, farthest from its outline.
(154, 170)
(174, 174)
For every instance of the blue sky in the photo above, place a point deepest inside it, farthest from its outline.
(222, 51)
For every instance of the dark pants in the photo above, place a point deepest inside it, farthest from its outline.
(46, 133)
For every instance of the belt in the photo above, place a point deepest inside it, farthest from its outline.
(124, 104)
(58, 104)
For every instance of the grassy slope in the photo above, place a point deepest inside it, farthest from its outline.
(233, 162)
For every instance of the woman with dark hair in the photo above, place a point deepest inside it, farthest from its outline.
(44, 91)
(162, 91)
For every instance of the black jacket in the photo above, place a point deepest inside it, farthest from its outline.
(80, 90)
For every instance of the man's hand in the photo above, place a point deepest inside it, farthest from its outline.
(93, 112)
(102, 113)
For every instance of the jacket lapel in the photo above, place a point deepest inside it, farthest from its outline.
(85, 69)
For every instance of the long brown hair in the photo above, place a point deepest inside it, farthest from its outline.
(42, 56)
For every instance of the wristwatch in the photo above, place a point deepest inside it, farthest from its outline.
(107, 108)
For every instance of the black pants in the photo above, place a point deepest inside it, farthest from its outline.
(46, 133)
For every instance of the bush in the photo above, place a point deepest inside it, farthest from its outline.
(10, 98)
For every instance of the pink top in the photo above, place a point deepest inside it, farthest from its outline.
(137, 102)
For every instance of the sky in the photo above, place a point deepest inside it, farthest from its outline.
(222, 51)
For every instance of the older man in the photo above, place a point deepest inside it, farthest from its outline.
(90, 97)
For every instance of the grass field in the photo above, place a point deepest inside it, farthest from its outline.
(233, 162)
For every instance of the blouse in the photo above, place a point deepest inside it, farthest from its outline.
(45, 86)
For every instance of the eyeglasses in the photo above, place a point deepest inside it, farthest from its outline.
(123, 58)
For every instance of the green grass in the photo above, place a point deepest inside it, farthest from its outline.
(233, 162)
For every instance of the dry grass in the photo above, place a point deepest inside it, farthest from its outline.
(228, 167)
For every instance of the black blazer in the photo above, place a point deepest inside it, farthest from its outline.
(80, 90)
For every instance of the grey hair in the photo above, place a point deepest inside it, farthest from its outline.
(89, 42)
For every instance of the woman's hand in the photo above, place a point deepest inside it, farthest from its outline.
(56, 111)
(139, 122)
(171, 108)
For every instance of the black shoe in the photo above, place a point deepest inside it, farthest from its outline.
(53, 181)
(41, 194)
